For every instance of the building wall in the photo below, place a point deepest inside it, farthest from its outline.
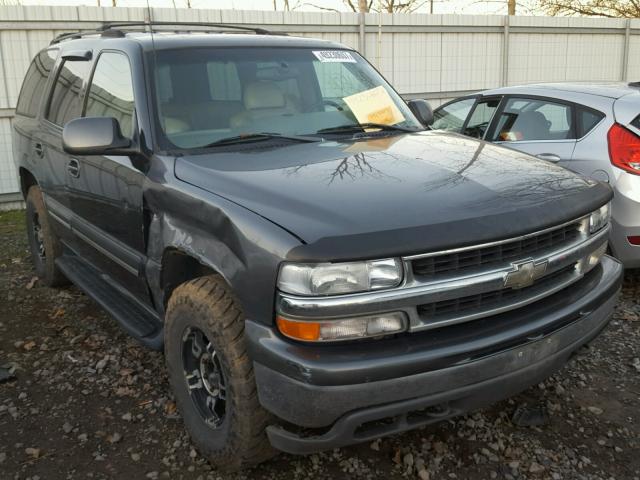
(437, 57)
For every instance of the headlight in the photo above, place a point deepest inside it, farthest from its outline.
(599, 218)
(335, 278)
(343, 329)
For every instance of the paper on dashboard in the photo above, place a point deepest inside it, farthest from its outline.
(374, 106)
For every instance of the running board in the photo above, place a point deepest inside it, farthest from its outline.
(138, 321)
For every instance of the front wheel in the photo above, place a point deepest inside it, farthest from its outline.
(212, 376)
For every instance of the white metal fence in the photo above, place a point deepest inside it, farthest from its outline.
(437, 57)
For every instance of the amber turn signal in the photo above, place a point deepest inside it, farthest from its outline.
(308, 331)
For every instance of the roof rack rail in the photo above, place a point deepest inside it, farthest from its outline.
(257, 30)
(112, 29)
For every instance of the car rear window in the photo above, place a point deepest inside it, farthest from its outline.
(587, 120)
(65, 102)
(35, 83)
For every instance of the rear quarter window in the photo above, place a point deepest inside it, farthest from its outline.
(35, 82)
(636, 122)
(587, 120)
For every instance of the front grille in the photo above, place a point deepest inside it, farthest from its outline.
(437, 311)
(503, 253)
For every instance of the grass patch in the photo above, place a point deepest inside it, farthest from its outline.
(12, 221)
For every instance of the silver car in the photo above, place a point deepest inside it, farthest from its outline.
(593, 129)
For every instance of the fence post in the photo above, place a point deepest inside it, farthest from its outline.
(625, 54)
(505, 53)
(362, 45)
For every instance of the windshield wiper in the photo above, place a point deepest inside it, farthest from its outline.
(257, 137)
(357, 127)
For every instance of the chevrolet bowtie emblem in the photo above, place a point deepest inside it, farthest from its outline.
(525, 273)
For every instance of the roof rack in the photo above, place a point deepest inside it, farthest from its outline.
(113, 29)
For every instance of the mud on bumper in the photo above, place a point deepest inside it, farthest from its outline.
(318, 415)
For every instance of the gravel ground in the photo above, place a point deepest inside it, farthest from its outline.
(88, 402)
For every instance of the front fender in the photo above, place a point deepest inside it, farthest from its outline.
(241, 246)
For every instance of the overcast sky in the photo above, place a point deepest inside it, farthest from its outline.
(440, 6)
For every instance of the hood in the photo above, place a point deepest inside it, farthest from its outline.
(403, 194)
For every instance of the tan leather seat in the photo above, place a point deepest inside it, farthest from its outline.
(261, 100)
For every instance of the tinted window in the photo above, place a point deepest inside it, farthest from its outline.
(587, 119)
(481, 118)
(337, 82)
(530, 120)
(35, 82)
(636, 122)
(451, 117)
(65, 101)
(208, 94)
(111, 91)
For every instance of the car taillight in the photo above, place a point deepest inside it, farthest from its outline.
(624, 149)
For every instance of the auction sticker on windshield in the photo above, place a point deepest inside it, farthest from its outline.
(334, 56)
(374, 106)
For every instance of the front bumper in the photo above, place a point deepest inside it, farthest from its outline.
(356, 392)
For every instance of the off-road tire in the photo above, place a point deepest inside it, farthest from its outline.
(45, 267)
(207, 304)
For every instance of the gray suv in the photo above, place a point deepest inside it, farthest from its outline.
(319, 269)
(593, 129)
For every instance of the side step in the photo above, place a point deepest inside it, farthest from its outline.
(138, 321)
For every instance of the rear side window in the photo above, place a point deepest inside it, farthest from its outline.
(65, 104)
(636, 122)
(111, 91)
(587, 120)
(35, 83)
(534, 120)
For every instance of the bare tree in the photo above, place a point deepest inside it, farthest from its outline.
(387, 6)
(592, 8)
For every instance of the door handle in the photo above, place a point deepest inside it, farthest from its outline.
(73, 167)
(549, 157)
(39, 149)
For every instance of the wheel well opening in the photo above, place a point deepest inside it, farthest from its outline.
(177, 268)
(27, 180)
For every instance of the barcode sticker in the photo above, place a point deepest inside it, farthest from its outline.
(334, 56)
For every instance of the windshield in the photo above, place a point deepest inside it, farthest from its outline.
(205, 95)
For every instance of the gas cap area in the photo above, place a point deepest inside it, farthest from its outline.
(600, 176)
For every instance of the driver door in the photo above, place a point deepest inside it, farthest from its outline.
(106, 190)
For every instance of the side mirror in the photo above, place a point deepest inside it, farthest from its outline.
(95, 136)
(422, 110)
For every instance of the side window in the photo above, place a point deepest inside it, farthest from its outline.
(587, 120)
(224, 83)
(111, 91)
(451, 117)
(35, 82)
(481, 118)
(531, 120)
(65, 104)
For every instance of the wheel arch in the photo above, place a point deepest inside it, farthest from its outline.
(27, 180)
